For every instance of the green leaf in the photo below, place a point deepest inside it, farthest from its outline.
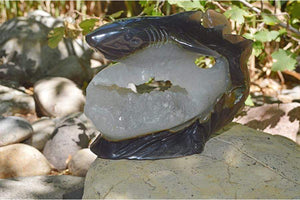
(283, 60)
(257, 48)
(156, 13)
(282, 31)
(187, 5)
(266, 36)
(87, 25)
(237, 14)
(55, 36)
(270, 19)
(116, 14)
(143, 3)
(149, 9)
(294, 10)
(249, 101)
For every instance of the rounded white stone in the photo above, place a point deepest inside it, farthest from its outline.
(58, 96)
(22, 160)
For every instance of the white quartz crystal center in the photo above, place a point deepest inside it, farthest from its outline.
(120, 113)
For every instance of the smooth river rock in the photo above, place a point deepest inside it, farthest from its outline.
(68, 137)
(14, 129)
(42, 132)
(81, 161)
(58, 97)
(39, 187)
(22, 160)
(239, 163)
(15, 100)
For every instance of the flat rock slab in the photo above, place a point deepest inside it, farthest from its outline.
(39, 187)
(239, 163)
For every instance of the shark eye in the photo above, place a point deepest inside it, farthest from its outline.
(135, 41)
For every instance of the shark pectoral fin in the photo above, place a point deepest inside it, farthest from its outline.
(194, 46)
(212, 19)
(195, 16)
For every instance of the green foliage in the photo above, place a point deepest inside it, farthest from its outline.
(265, 35)
(283, 60)
(55, 36)
(258, 48)
(293, 9)
(265, 29)
(249, 101)
(270, 19)
(151, 8)
(116, 15)
(188, 5)
(237, 14)
(87, 25)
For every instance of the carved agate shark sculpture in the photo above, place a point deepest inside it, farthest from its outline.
(176, 121)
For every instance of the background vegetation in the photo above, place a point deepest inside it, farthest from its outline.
(273, 25)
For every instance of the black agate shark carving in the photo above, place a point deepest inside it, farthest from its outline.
(188, 35)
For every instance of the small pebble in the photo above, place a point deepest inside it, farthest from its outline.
(81, 161)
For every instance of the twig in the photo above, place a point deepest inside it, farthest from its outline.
(218, 5)
(258, 11)
(292, 73)
(281, 77)
(90, 17)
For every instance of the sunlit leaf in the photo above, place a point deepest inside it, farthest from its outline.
(71, 30)
(116, 14)
(156, 13)
(249, 101)
(283, 60)
(237, 14)
(270, 19)
(187, 5)
(87, 25)
(257, 48)
(282, 31)
(55, 36)
(266, 36)
(143, 3)
(149, 9)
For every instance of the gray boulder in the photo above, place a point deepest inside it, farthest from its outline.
(15, 100)
(24, 45)
(40, 187)
(42, 131)
(240, 163)
(69, 137)
(13, 130)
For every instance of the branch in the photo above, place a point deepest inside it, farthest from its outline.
(258, 11)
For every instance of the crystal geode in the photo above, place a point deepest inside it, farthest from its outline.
(178, 120)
